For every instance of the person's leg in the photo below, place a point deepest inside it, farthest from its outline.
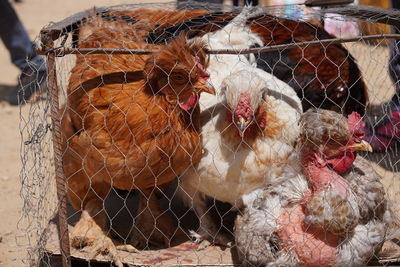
(22, 53)
(14, 36)
(386, 132)
(394, 71)
(252, 2)
(394, 63)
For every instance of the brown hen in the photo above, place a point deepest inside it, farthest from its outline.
(131, 122)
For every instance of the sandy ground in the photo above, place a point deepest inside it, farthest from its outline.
(34, 15)
(37, 13)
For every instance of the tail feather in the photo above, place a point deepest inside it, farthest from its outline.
(248, 12)
(240, 20)
(212, 22)
(193, 25)
(236, 34)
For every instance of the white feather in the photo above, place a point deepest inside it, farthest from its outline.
(364, 244)
(229, 170)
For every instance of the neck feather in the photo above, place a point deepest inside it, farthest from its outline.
(320, 175)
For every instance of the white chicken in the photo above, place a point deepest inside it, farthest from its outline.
(248, 129)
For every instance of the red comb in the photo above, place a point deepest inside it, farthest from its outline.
(356, 124)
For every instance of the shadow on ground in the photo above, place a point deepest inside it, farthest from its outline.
(121, 209)
(5, 90)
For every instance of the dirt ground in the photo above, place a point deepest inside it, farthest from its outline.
(34, 14)
(37, 13)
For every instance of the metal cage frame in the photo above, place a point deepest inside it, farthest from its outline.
(55, 31)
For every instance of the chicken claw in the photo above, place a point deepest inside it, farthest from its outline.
(203, 245)
(87, 236)
(201, 240)
(127, 248)
(106, 247)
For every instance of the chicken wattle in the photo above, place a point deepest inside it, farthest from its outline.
(190, 103)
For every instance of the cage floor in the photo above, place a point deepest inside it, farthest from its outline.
(182, 251)
(183, 254)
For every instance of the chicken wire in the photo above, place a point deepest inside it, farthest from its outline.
(361, 31)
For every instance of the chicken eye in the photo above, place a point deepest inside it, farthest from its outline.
(180, 79)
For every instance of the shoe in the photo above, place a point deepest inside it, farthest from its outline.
(30, 81)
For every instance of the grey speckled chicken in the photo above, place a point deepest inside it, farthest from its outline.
(328, 208)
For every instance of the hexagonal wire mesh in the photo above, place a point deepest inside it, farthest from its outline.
(149, 157)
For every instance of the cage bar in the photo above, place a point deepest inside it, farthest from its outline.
(57, 144)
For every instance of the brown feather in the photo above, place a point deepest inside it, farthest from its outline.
(122, 126)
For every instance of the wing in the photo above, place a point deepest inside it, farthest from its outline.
(368, 189)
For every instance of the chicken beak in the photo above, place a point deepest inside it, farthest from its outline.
(242, 125)
(362, 146)
(208, 88)
(204, 86)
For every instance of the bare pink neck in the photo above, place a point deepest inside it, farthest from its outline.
(320, 175)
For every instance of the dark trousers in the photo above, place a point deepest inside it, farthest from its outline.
(15, 38)
(252, 2)
(394, 63)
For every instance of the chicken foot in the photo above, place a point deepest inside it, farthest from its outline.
(153, 226)
(88, 236)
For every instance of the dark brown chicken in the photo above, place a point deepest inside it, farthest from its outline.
(323, 75)
(131, 122)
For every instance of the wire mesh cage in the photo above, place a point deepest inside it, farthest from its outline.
(170, 133)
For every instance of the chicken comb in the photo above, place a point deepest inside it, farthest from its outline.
(356, 124)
